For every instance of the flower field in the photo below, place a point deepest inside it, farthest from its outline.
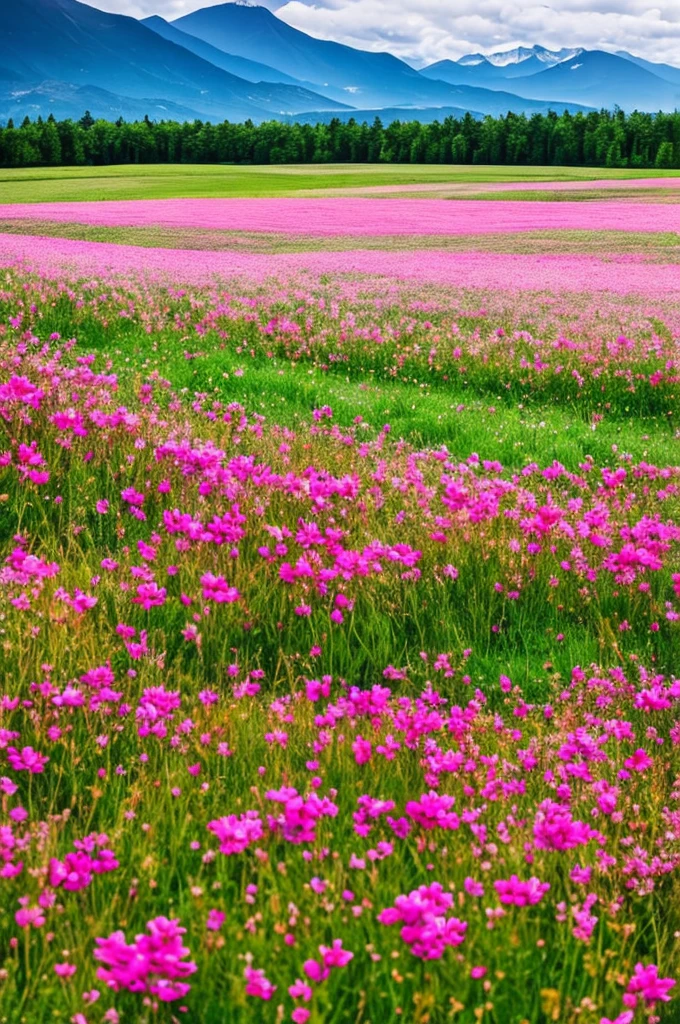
(340, 619)
(376, 216)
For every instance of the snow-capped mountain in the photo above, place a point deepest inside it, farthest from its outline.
(593, 77)
(518, 55)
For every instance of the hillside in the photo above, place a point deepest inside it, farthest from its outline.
(367, 79)
(605, 79)
(71, 42)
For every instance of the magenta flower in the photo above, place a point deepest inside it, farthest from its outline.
(315, 970)
(300, 990)
(76, 870)
(640, 761)
(472, 887)
(237, 832)
(216, 919)
(150, 595)
(521, 894)
(65, 970)
(26, 760)
(433, 811)
(335, 955)
(426, 927)
(362, 750)
(21, 390)
(216, 588)
(555, 829)
(132, 497)
(30, 916)
(258, 985)
(154, 963)
(647, 983)
(298, 819)
(81, 602)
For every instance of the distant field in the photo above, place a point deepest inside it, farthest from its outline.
(167, 181)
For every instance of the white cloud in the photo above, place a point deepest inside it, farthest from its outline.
(428, 30)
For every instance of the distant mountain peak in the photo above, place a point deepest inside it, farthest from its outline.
(519, 54)
(472, 60)
(268, 5)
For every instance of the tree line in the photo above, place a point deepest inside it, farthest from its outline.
(597, 139)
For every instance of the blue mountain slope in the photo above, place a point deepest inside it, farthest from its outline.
(65, 100)
(68, 41)
(368, 79)
(603, 80)
(665, 71)
(255, 33)
(251, 70)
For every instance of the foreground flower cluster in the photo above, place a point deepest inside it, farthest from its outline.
(315, 723)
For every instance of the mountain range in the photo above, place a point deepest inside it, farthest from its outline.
(519, 55)
(239, 60)
(593, 77)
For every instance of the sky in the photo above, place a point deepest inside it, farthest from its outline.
(426, 30)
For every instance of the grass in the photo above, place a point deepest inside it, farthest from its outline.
(464, 418)
(169, 181)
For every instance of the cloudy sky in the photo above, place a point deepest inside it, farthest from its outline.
(426, 30)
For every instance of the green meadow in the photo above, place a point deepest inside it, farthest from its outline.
(171, 181)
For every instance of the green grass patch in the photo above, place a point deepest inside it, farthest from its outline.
(170, 181)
